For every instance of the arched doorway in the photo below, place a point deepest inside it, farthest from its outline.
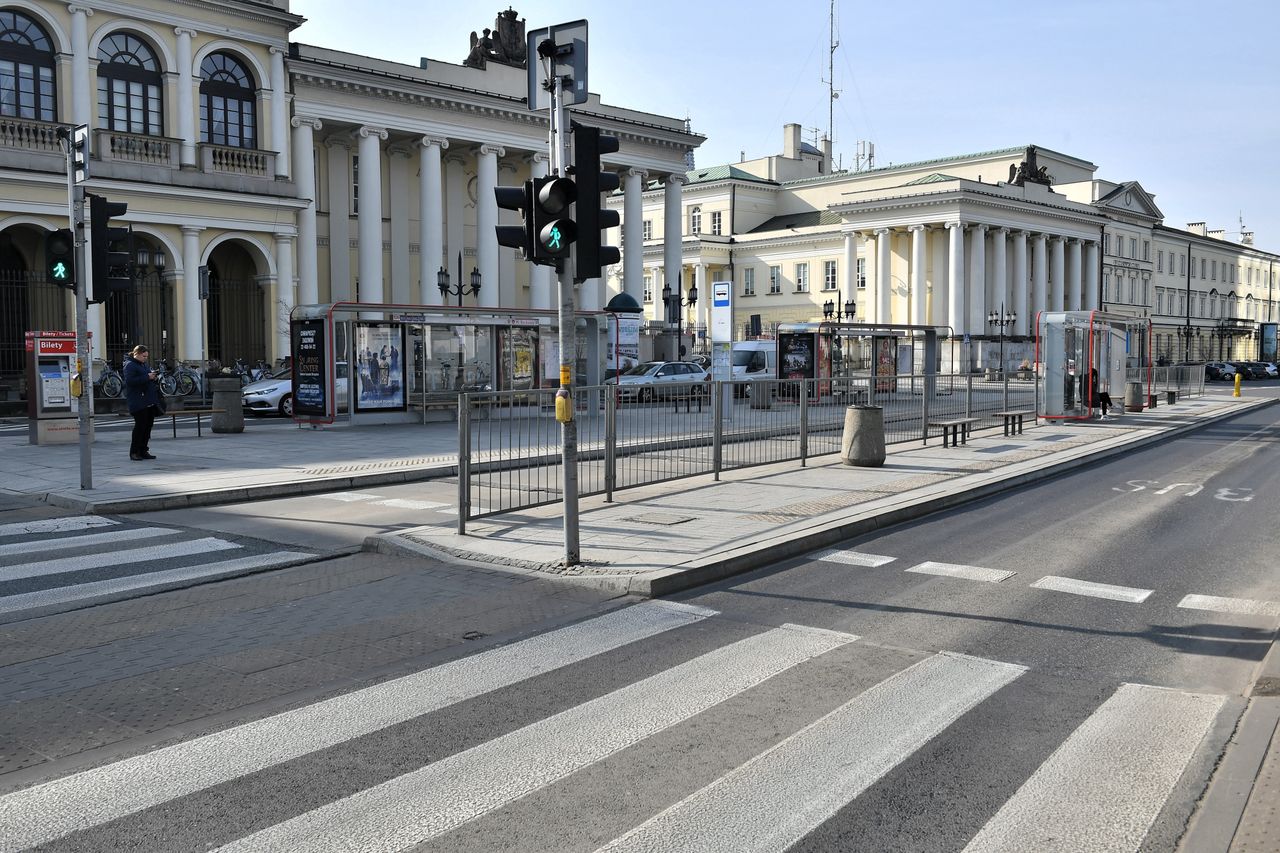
(237, 306)
(146, 312)
(28, 302)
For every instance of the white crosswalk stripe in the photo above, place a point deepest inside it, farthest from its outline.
(852, 558)
(66, 565)
(66, 543)
(1122, 762)
(54, 525)
(780, 796)
(1218, 604)
(54, 809)
(953, 570)
(1130, 594)
(411, 809)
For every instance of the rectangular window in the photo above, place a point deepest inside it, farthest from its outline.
(1182, 304)
(1146, 250)
(1159, 301)
(715, 222)
(749, 281)
(1159, 261)
(862, 273)
(1133, 285)
(1213, 270)
(1106, 244)
(1146, 292)
(1106, 287)
(1203, 265)
(802, 278)
(355, 186)
(648, 287)
(1201, 314)
(648, 229)
(829, 275)
(775, 279)
(1182, 264)
(1133, 247)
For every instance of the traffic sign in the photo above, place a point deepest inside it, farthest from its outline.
(567, 57)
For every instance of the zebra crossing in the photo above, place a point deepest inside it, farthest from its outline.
(57, 563)
(1102, 788)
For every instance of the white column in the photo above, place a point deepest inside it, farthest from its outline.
(976, 288)
(81, 83)
(486, 223)
(672, 236)
(1090, 295)
(186, 99)
(370, 216)
(936, 314)
(849, 268)
(1057, 273)
(633, 234)
(1000, 271)
(1039, 280)
(1074, 276)
(919, 296)
(1019, 287)
(702, 310)
(403, 288)
(304, 161)
(285, 300)
(541, 278)
(884, 293)
(193, 342)
(340, 289)
(955, 280)
(280, 112)
(658, 313)
(509, 296)
(430, 217)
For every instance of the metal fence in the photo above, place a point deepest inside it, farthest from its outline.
(509, 445)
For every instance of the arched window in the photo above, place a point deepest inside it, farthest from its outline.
(26, 69)
(228, 111)
(129, 86)
(695, 220)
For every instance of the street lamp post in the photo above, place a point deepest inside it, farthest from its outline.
(839, 312)
(442, 282)
(675, 305)
(146, 264)
(1002, 321)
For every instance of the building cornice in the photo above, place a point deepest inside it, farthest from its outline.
(194, 195)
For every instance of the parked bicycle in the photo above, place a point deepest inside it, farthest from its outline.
(189, 379)
(109, 382)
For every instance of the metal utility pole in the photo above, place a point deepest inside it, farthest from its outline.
(76, 147)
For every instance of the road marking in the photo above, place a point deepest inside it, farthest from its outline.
(428, 802)
(131, 556)
(64, 543)
(1105, 785)
(55, 525)
(350, 497)
(852, 558)
(807, 778)
(45, 812)
(953, 570)
(130, 583)
(400, 503)
(1249, 606)
(1096, 590)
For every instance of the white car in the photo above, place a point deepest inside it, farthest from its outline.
(275, 395)
(650, 380)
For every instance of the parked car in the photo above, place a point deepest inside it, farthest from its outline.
(1253, 369)
(651, 380)
(1219, 370)
(275, 395)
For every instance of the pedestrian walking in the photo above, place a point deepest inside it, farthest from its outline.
(142, 392)
(1100, 397)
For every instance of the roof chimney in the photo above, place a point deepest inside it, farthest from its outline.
(826, 155)
(1218, 233)
(1196, 228)
(791, 141)
(1246, 237)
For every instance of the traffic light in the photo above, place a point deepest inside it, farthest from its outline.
(517, 236)
(111, 259)
(60, 257)
(588, 145)
(555, 231)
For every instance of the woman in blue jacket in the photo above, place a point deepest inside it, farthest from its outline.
(143, 395)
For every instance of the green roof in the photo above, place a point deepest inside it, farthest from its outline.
(935, 178)
(807, 219)
(723, 173)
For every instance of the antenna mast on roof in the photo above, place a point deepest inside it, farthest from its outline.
(832, 92)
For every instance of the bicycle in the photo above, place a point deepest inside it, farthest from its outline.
(109, 383)
(168, 381)
(189, 380)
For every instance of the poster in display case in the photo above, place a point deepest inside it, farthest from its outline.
(379, 368)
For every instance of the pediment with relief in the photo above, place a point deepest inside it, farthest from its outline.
(1132, 199)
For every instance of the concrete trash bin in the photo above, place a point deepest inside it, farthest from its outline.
(1133, 397)
(226, 396)
(862, 443)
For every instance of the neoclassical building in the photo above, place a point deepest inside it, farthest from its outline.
(292, 174)
(945, 242)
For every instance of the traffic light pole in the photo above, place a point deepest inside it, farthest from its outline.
(84, 358)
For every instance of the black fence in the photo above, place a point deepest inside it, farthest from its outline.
(27, 302)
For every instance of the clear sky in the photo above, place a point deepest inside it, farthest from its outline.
(1182, 96)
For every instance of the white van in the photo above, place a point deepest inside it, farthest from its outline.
(753, 360)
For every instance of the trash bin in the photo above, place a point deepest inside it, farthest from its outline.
(863, 441)
(1172, 397)
(1133, 397)
(226, 396)
(761, 395)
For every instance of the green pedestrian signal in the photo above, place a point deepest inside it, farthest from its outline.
(60, 257)
(555, 228)
(554, 241)
(60, 272)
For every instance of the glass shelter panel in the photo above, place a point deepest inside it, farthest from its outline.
(1064, 356)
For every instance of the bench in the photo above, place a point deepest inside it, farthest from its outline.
(199, 413)
(957, 427)
(1012, 419)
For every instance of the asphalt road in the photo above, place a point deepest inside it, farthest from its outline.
(1058, 668)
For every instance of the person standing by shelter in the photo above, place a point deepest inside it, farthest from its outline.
(1101, 398)
(142, 393)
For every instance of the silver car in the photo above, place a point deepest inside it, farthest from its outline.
(275, 395)
(651, 380)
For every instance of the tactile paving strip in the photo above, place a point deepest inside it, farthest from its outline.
(1259, 830)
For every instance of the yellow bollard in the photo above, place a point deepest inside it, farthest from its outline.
(1236, 393)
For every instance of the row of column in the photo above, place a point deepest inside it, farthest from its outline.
(84, 88)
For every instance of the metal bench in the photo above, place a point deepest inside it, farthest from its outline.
(957, 427)
(1013, 419)
(199, 413)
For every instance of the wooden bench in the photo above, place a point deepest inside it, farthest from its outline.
(957, 427)
(199, 413)
(1012, 419)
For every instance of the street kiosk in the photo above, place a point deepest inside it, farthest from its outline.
(1081, 355)
(53, 404)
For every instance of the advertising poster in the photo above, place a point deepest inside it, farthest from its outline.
(624, 343)
(886, 363)
(796, 350)
(1268, 342)
(379, 367)
(310, 382)
(518, 369)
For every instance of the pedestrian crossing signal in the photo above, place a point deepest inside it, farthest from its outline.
(60, 257)
(551, 218)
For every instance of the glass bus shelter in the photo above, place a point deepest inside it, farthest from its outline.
(1081, 355)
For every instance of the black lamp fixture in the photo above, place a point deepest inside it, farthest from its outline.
(830, 310)
(442, 282)
(675, 305)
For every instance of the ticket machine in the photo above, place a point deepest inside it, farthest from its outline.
(53, 407)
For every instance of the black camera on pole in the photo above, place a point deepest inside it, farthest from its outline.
(588, 146)
(111, 262)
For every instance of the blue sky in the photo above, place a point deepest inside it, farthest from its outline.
(1181, 96)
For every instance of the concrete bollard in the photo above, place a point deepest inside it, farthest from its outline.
(1152, 400)
(226, 396)
(862, 443)
(1133, 397)
(1172, 397)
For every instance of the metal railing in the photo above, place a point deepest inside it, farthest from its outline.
(509, 450)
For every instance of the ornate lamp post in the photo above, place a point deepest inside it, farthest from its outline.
(1186, 333)
(442, 282)
(675, 305)
(831, 309)
(1002, 321)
